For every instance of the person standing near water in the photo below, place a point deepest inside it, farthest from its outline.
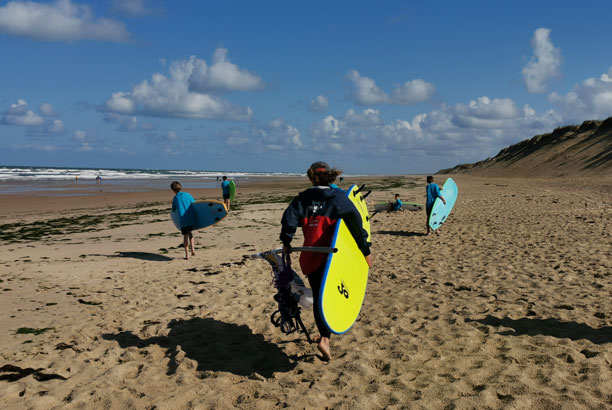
(226, 192)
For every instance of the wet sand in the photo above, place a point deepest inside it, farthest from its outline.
(509, 306)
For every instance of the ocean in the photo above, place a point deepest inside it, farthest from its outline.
(60, 181)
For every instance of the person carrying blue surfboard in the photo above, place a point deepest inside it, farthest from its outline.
(182, 203)
(317, 210)
(433, 192)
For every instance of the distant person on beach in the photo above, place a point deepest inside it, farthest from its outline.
(226, 192)
(433, 192)
(397, 205)
(333, 184)
(316, 210)
(98, 179)
(76, 178)
(391, 206)
(182, 202)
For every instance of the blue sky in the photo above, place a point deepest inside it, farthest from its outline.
(390, 87)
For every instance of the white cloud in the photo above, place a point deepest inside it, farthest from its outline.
(221, 76)
(56, 127)
(127, 123)
(477, 128)
(84, 147)
(366, 92)
(368, 116)
(121, 103)
(544, 64)
(174, 96)
(413, 92)
(133, 8)
(36, 147)
(83, 140)
(19, 114)
(333, 134)
(79, 135)
(61, 20)
(318, 104)
(47, 110)
(591, 99)
(275, 136)
(485, 113)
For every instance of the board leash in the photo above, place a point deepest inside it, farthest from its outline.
(288, 315)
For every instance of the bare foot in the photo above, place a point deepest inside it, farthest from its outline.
(324, 348)
(192, 253)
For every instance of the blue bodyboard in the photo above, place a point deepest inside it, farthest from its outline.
(203, 214)
(440, 210)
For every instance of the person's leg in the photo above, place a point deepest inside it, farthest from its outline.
(314, 279)
(192, 243)
(428, 213)
(186, 245)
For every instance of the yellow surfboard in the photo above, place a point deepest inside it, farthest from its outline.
(355, 195)
(344, 281)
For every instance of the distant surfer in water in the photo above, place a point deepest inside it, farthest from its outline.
(182, 202)
(226, 192)
(316, 211)
(433, 192)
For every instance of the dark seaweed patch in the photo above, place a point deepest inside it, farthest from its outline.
(30, 330)
(38, 230)
(14, 373)
(87, 302)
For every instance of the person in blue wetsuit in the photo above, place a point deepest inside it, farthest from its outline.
(226, 192)
(317, 210)
(182, 203)
(433, 192)
(397, 205)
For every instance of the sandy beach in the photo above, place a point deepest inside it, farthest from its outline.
(509, 306)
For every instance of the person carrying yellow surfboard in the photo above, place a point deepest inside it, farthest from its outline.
(317, 210)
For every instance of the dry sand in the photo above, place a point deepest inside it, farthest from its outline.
(508, 307)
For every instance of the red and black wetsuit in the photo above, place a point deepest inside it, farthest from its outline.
(317, 210)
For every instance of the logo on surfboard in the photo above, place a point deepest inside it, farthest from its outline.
(343, 291)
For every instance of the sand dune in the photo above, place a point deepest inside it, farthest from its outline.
(508, 307)
(584, 150)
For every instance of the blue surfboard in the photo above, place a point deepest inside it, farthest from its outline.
(205, 213)
(440, 210)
